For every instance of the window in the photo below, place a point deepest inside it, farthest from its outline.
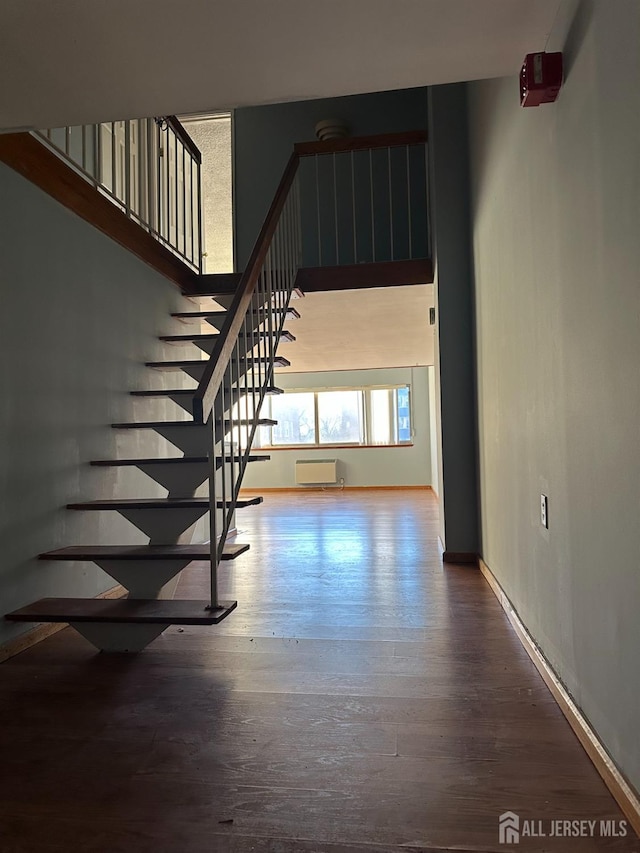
(357, 416)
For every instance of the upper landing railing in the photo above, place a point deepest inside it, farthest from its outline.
(149, 168)
(364, 199)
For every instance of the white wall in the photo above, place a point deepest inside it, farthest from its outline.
(79, 316)
(360, 466)
(557, 259)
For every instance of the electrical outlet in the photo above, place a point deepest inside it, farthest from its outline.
(544, 511)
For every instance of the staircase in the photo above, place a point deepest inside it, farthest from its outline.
(243, 329)
(243, 324)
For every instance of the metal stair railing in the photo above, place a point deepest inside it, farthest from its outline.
(241, 367)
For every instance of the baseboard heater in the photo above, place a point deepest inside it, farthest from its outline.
(316, 471)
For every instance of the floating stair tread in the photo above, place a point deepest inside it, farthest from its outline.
(195, 315)
(142, 552)
(155, 424)
(187, 338)
(284, 336)
(143, 503)
(202, 362)
(158, 503)
(165, 460)
(243, 422)
(202, 315)
(171, 460)
(186, 392)
(124, 610)
(163, 392)
(158, 424)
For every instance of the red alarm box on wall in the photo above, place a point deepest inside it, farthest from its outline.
(540, 79)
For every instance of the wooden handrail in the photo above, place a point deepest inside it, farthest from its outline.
(211, 381)
(184, 137)
(360, 143)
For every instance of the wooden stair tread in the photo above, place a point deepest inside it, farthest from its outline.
(191, 424)
(278, 360)
(124, 610)
(142, 552)
(157, 503)
(185, 392)
(196, 315)
(284, 336)
(172, 460)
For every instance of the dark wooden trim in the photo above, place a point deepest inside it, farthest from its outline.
(184, 137)
(463, 557)
(42, 167)
(357, 143)
(205, 395)
(355, 276)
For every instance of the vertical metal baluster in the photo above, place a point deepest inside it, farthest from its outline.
(298, 246)
(223, 451)
(191, 229)
(114, 186)
(249, 331)
(335, 208)
(84, 147)
(141, 213)
(289, 280)
(150, 174)
(278, 274)
(353, 209)
(127, 167)
(243, 400)
(184, 203)
(261, 338)
(373, 228)
(176, 198)
(318, 212)
(409, 201)
(390, 203)
(167, 157)
(97, 152)
(199, 210)
(67, 140)
(235, 421)
(159, 194)
(270, 329)
(213, 512)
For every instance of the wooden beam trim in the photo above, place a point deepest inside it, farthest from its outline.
(357, 276)
(35, 162)
(357, 143)
(622, 791)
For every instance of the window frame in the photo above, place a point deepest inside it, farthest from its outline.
(366, 416)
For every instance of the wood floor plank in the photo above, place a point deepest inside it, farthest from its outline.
(363, 698)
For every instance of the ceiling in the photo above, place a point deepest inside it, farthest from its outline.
(79, 61)
(359, 329)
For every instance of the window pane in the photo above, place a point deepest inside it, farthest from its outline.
(295, 416)
(340, 417)
(381, 417)
(403, 414)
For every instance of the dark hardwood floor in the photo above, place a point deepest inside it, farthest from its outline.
(361, 698)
